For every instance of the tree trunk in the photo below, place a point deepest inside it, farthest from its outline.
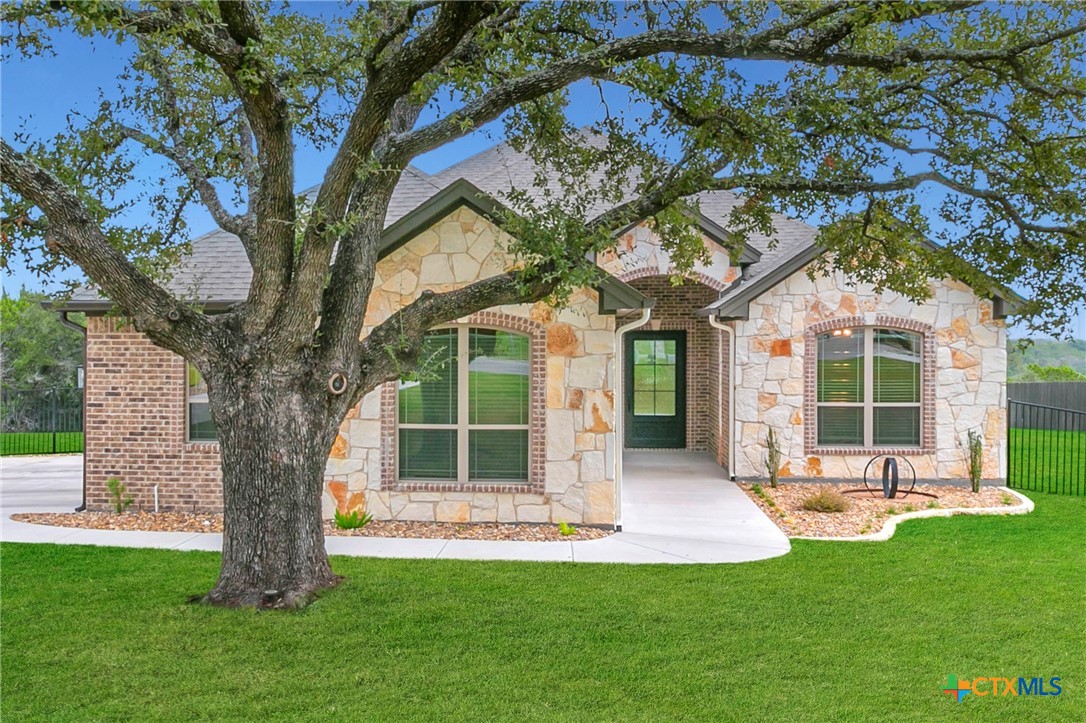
(275, 436)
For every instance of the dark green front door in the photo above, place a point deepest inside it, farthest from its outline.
(656, 389)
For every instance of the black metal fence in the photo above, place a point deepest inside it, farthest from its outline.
(1046, 449)
(41, 421)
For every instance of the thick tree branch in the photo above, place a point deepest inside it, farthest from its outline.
(75, 233)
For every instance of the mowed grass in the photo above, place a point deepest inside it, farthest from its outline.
(832, 631)
(1048, 461)
(12, 443)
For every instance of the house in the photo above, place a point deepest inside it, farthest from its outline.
(528, 414)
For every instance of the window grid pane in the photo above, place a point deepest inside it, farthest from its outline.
(841, 426)
(433, 398)
(897, 426)
(841, 366)
(428, 454)
(498, 454)
(201, 428)
(896, 366)
(498, 372)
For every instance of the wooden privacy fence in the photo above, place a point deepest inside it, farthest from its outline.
(1065, 395)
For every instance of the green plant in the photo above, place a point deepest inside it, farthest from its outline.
(353, 520)
(933, 505)
(826, 501)
(773, 457)
(975, 445)
(910, 508)
(762, 494)
(1007, 499)
(565, 529)
(119, 498)
(891, 510)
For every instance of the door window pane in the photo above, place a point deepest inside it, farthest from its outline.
(427, 454)
(432, 398)
(654, 377)
(497, 377)
(498, 454)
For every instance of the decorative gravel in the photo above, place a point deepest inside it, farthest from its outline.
(866, 512)
(187, 522)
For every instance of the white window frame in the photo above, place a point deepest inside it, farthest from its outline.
(868, 404)
(463, 410)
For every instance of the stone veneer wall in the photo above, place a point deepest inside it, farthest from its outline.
(572, 379)
(967, 376)
(135, 424)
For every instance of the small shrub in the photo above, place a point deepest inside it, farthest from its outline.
(891, 510)
(762, 494)
(975, 445)
(353, 520)
(826, 501)
(1007, 499)
(773, 457)
(119, 498)
(910, 508)
(565, 529)
(933, 505)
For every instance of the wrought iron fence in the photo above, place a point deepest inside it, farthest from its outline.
(1046, 448)
(41, 421)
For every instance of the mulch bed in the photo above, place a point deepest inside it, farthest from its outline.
(866, 512)
(187, 522)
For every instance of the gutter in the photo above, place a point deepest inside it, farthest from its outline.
(716, 324)
(620, 406)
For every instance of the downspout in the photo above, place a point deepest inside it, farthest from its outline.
(620, 406)
(717, 324)
(65, 321)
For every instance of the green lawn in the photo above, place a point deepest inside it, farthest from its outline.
(833, 631)
(1048, 461)
(40, 442)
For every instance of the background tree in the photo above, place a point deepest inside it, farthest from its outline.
(865, 108)
(36, 350)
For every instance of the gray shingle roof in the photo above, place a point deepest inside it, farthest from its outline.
(217, 272)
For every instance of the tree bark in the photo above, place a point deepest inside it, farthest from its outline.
(275, 435)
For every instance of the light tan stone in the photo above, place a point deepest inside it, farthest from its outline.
(599, 503)
(452, 511)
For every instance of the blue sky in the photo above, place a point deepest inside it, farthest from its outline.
(41, 91)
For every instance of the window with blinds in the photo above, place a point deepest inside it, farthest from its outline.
(200, 426)
(466, 417)
(868, 388)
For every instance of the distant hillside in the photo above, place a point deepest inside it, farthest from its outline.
(1045, 353)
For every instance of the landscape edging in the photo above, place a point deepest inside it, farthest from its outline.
(1024, 507)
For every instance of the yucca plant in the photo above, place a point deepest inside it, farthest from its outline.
(353, 520)
(975, 445)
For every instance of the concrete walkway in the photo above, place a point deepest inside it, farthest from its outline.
(723, 524)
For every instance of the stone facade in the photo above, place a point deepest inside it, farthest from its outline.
(572, 397)
(963, 375)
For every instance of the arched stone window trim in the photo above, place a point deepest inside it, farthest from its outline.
(927, 384)
(537, 419)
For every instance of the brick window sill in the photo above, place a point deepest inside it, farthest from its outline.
(202, 447)
(869, 451)
(523, 488)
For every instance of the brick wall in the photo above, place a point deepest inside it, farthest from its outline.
(135, 424)
(676, 309)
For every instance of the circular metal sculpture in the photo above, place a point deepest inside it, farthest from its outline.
(891, 476)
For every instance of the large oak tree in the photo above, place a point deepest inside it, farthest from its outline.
(887, 122)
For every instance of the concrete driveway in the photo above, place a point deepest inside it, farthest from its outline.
(41, 484)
